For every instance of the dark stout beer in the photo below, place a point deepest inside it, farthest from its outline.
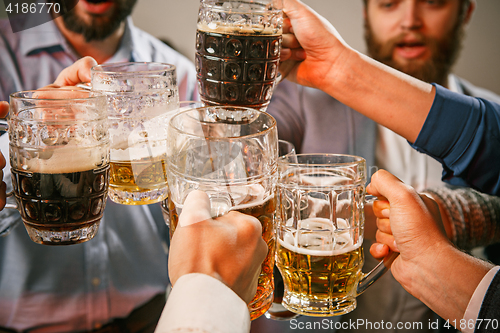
(60, 205)
(237, 68)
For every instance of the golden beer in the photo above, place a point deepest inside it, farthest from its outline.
(320, 279)
(264, 211)
(138, 182)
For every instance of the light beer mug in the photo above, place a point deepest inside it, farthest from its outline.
(141, 98)
(59, 158)
(238, 46)
(320, 233)
(230, 153)
(183, 106)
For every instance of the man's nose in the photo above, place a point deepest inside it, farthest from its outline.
(411, 15)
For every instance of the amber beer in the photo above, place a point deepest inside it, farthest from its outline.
(131, 178)
(264, 211)
(237, 68)
(64, 206)
(313, 276)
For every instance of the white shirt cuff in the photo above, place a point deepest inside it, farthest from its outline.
(201, 303)
(472, 311)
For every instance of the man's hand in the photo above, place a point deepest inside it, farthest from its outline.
(310, 47)
(229, 248)
(79, 72)
(4, 109)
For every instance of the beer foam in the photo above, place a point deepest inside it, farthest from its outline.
(224, 28)
(329, 180)
(65, 160)
(326, 241)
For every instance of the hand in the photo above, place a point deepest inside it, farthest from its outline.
(229, 248)
(311, 45)
(4, 109)
(429, 267)
(384, 235)
(405, 223)
(3, 186)
(79, 72)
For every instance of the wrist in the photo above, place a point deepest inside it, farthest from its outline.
(445, 279)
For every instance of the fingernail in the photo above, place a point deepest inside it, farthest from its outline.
(380, 247)
(386, 212)
(396, 247)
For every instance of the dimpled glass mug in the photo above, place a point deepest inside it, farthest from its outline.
(230, 153)
(59, 157)
(238, 46)
(141, 98)
(320, 233)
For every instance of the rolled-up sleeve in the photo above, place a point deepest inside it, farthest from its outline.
(463, 134)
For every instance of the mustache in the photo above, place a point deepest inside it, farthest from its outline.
(407, 39)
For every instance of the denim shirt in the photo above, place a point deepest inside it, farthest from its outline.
(84, 286)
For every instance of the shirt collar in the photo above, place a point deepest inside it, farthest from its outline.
(453, 84)
(124, 52)
(141, 49)
(41, 37)
(48, 36)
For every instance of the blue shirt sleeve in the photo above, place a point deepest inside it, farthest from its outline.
(463, 134)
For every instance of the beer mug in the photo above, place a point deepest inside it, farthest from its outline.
(320, 232)
(231, 154)
(238, 46)
(141, 98)
(183, 106)
(59, 158)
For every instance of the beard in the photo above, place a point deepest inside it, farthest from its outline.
(99, 27)
(444, 53)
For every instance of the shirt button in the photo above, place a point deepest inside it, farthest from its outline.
(96, 282)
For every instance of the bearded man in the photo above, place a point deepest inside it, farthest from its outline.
(115, 282)
(423, 39)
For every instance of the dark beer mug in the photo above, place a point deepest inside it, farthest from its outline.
(59, 158)
(238, 46)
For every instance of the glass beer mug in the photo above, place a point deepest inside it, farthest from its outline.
(238, 46)
(320, 232)
(141, 98)
(230, 153)
(59, 158)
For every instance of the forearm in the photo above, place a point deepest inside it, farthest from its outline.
(470, 217)
(389, 97)
(445, 282)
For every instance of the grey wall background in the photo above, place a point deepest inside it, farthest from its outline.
(479, 62)
(175, 21)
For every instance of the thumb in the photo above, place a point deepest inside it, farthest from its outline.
(77, 73)
(4, 109)
(383, 184)
(196, 209)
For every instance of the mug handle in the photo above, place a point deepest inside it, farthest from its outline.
(4, 126)
(379, 270)
(11, 205)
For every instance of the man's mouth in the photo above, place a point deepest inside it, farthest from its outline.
(96, 6)
(410, 50)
